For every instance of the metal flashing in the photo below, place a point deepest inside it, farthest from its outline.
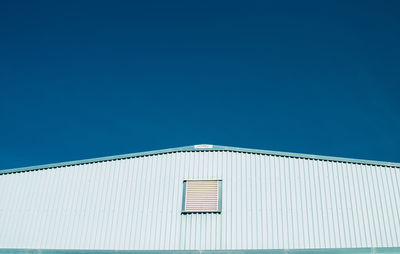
(194, 149)
(184, 196)
(391, 250)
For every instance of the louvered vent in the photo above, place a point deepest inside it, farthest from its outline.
(201, 196)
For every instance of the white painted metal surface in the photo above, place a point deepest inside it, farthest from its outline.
(268, 202)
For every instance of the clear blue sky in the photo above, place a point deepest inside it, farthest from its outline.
(82, 79)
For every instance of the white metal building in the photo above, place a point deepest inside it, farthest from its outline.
(200, 199)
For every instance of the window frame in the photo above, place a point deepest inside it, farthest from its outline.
(219, 181)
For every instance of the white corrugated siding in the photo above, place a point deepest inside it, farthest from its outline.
(268, 202)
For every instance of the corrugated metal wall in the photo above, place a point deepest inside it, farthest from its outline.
(268, 202)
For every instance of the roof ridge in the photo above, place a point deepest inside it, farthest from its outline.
(200, 147)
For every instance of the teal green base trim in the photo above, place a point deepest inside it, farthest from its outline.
(395, 250)
(192, 149)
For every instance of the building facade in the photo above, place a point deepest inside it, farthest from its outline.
(200, 199)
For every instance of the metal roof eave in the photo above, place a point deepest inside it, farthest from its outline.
(388, 250)
(193, 149)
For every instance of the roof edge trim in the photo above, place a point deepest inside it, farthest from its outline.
(380, 250)
(193, 149)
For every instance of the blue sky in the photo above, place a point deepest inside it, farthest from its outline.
(83, 79)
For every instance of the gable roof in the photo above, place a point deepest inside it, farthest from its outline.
(199, 148)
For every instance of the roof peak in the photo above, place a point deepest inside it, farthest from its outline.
(197, 148)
